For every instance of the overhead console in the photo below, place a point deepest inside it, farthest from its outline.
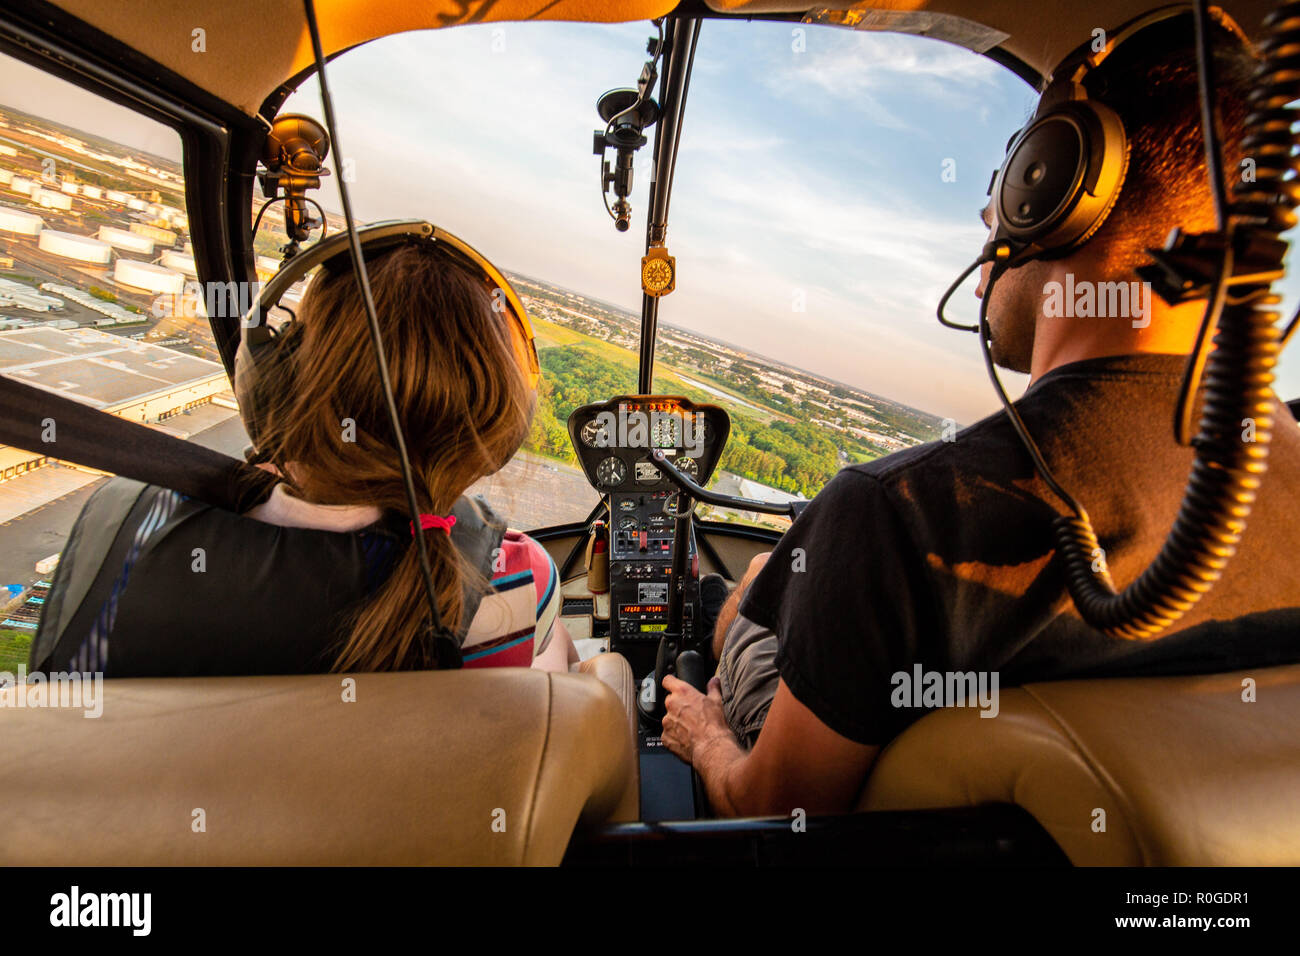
(614, 441)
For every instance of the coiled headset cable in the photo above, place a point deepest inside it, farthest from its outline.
(1237, 374)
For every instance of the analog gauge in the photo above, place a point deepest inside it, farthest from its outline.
(664, 432)
(699, 430)
(627, 523)
(611, 472)
(595, 434)
(687, 466)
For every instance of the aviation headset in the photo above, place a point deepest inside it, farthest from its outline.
(261, 373)
(1063, 172)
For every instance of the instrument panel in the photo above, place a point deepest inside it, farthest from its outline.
(614, 439)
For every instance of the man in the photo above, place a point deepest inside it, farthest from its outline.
(941, 558)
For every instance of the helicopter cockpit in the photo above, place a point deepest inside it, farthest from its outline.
(653, 475)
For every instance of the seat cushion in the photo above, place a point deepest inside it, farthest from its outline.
(1182, 769)
(492, 766)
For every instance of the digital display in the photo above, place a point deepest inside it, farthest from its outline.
(644, 609)
(654, 627)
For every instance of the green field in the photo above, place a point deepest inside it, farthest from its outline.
(769, 447)
(14, 646)
(667, 379)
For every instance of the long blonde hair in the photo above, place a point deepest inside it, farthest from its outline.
(463, 401)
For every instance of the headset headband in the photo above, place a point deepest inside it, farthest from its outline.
(333, 254)
(1083, 59)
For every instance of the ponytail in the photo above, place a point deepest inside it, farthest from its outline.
(465, 405)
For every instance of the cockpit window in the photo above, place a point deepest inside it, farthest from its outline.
(97, 303)
(815, 221)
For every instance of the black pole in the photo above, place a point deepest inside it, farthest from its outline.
(680, 36)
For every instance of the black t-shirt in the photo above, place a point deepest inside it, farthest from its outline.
(942, 556)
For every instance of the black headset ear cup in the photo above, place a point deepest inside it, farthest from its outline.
(263, 376)
(1061, 178)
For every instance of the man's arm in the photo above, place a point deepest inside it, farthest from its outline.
(797, 762)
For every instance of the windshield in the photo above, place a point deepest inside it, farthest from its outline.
(827, 191)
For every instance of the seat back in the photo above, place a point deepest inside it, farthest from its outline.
(492, 766)
(1159, 771)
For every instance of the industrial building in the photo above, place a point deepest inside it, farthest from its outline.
(141, 382)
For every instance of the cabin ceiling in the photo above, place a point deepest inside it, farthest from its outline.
(252, 46)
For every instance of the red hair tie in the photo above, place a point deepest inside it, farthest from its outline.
(435, 521)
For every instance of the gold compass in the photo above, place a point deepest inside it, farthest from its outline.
(658, 272)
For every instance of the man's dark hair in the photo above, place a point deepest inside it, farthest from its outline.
(1151, 82)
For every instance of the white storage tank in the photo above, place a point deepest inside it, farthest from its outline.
(21, 184)
(69, 187)
(136, 205)
(147, 276)
(128, 241)
(7, 151)
(114, 195)
(6, 176)
(180, 262)
(20, 223)
(54, 200)
(72, 246)
(92, 192)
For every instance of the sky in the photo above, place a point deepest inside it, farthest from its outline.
(811, 173)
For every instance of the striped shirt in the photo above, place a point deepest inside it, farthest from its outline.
(515, 619)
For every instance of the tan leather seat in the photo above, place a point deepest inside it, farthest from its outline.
(492, 766)
(1185, 771)
(613, 670)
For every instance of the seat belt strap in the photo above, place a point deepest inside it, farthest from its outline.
(49, 424)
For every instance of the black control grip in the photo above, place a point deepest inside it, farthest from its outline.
(694, 669)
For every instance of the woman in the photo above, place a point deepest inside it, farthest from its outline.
(324, 575)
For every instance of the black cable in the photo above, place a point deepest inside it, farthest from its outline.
(1194, 370)
(952, 289)
(1209, 113)
(1290, 330)
(447, 656)
(324, 222)
(1017, 423)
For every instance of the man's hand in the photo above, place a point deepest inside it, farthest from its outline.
(694, 722)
